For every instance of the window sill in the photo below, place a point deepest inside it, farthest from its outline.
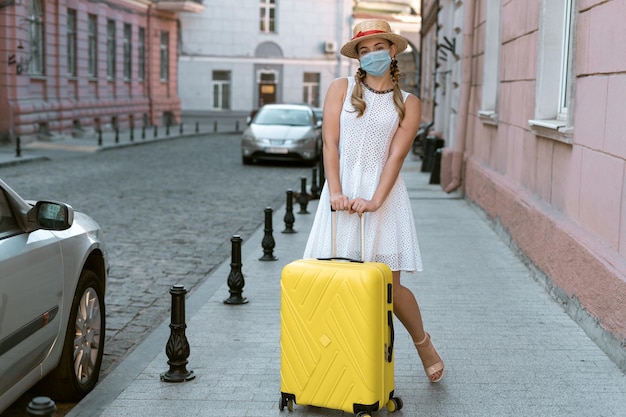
(552, 129)
(488, 117)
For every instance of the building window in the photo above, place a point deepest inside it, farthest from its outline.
(268, 16)
(111, 49)
(566, 63)
(489, 106)
(311, 88)
(92, 46)
(128, 48)
(35, 17)
(553, 116)
(221, 90)
(165, 55)
(141, 54)
(71, 42)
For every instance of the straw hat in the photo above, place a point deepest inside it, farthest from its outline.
(368, 29)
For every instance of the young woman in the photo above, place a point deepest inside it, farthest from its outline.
(369, 127)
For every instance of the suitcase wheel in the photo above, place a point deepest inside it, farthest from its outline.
(285, 401)
(394, 404)
(364, 414)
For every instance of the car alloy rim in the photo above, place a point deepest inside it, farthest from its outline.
(87, 337)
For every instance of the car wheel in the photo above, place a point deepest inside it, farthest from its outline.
(246, 160)
(79, 367)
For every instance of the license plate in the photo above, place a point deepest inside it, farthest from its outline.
(277, 150)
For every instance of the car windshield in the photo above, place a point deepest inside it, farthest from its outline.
(289, 117)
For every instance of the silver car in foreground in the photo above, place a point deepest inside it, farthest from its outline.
(53, 270)
(282, 131)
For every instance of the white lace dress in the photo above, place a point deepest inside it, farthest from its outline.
(390, 235)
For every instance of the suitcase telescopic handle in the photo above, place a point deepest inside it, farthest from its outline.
(333, 242)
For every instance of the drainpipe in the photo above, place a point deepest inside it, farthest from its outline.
(461, 131)
(148, 63)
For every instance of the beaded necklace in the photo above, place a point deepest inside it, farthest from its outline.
(376, 91)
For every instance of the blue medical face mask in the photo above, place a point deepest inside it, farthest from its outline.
(376, 63)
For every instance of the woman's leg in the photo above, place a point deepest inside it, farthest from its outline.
(408, 312)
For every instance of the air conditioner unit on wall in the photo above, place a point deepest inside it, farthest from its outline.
(330, 47)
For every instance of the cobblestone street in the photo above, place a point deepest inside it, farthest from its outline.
(168, 210)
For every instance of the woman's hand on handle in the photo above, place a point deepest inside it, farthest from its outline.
(339, 202)
(361, 205)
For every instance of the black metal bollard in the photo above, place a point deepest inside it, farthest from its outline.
(167, 129)
(197, 127)
(215, 126)
(237, 126)
(18, 147)
(235, 281)
(303, 199)
(315, 191)
(268, 242)
(156, 131)
(289, 217)
(435, 174)
(99, 137)
(117, 135)
(181, 128)
(132, 133)
(41, 406)
(177, 348)
(143, 132)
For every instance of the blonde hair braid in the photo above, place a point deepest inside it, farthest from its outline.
(398, 101)
(357, 93)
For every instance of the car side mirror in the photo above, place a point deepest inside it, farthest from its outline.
(50, 215)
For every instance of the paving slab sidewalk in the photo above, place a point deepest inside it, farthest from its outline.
(509, 349)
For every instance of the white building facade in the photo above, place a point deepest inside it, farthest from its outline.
(244, 53)
(241, 54)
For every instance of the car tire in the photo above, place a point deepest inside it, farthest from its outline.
(246, 160)
(81, 359)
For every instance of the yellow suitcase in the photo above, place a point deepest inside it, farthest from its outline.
(337, 336)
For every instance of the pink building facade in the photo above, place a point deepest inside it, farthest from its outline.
(530, 98)
(76, 65)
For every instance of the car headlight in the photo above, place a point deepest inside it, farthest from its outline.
(307, 139)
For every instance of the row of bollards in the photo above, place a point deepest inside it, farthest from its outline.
(181, 131)
(177, 348)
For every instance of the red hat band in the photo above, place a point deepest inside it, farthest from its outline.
(366, 33)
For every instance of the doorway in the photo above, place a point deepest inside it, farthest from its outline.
(267, 88)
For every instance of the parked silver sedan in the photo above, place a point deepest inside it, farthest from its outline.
(282, 131)
(53, 269)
